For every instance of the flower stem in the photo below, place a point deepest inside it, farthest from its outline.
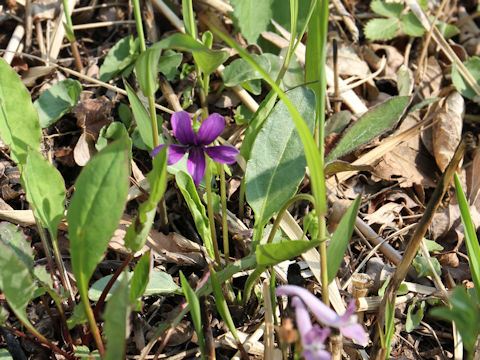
(211, 220)
(223, 196)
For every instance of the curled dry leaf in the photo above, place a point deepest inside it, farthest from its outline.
(447, 129)
(432, 78)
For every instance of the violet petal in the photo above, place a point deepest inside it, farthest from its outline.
(223, 153)
(316, 355)
(355, 332)
(302, 316)
(322, 312)
(196, 164)
(210, 129)
(182, 128)
(176, 153)
(157, 150)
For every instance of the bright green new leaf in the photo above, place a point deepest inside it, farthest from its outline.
(116, 322)
(239, 70)
(390, 9)
(56, 101)
(340, 239)
(447, 30)
(471, 240)
(273, 254)
(464, 311)
(277, 161)
(141, 277)
(473, 65)
(410, 25)
(381, 29)
(78, 317)
(138, 231)
(208, 60)
(190, 194)
(423, 269)
(374, 122)
(146, 68)
(19, 127)
(252, 17)
(168, 64)
(414, 318)
(96, 208)
(120, 56)
(15, 282)
(141, 116)
(45, 190)
(195, 311)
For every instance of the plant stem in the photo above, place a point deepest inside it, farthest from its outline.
(71, 37)
(138, 22)
(241, 200)
(211, 219)
(92, 323)
(153, 119)
(223, 196)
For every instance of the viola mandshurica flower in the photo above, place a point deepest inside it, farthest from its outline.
(313, 336)
(196, 144)
(346, 323)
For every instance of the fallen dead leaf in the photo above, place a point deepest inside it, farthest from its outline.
(447, 129)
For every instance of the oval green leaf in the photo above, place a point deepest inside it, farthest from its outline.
(277, 161)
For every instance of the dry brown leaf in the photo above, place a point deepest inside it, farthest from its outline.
(84, 149)
(432, 78)
(44, 9)
(408, 163)
(447, 129)
(385, 215)
(30, 76)
(349, 63)
(394, 59)
(473, 179)
(93, 114)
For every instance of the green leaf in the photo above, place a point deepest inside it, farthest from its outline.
(239, 71)
(78, 317)
(95, 209)
(56, 101)
(15, 282)
(471, 240)
(252, 17)
(423, 269)
(5, 355)
(422, 103)
(413, 319)
(466, 315)
(410, 25)
(195, 311)
(404, 81)
(189, 18)
(389, 326)
(273, 254)
(381, 29)
(256, 124)
(340, 239)
(337, 166)
(447, 30)
(310, 224)
(146, 68)
(373, 123)
(16, 240)
(277, 162)
(116, 322)
(168, 64)
(83, 352)
(120, 56)
(138, 231)
(19, 125)
(45, 190)
(473, 65)
(141, 116)
(390, 9)
(432, 246)
(189, 192)
(159, 283)
(141, 277)
(115, 131)
(208, 60)
(338, 122)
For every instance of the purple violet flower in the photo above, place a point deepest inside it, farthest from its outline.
(196, 144)
(313, 336)
(346, 323)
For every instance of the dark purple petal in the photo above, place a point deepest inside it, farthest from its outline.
(196, 164)
(223, 153)
(157, 150)
(322, 312)
(182, 128)
(210, 129)
(355, 332)
(176, 153)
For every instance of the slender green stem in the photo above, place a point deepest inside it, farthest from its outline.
(92, 322)
(223, 197)
(251, 280)
(284, 208)
(46, 247)
(241, 200)
(71, 36)
(211, 219)
(153, 119)
(138, 22)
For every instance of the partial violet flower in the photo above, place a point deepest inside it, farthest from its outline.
(313, 336)
(346, 323)
(196, 144)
